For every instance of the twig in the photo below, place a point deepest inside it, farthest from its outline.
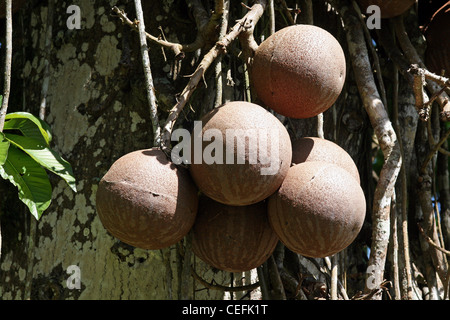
(373, 293)
(247, 22)
(148, 74)
(431, 242)
(206, 28)
(385, 134)
(175, 47)
(212, 286)
(442, 81)
(410, 52)
(8, 59)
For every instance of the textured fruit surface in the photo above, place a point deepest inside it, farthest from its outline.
(388, 8)
(318, 210)
(299, 71)
(317, 149)
(264, 164)
(231, 238)
(437, 33)
(146, 201)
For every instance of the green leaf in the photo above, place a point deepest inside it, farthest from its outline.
(45, 156)
(30, 126)
(4, 146)
(27, 128)
(30, 179)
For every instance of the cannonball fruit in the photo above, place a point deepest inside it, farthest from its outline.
(299, 71)
(232, 238)
(245, 154)
(146, 201)
(317, 149)
(388, 8)
(437, 33)
(318, 210)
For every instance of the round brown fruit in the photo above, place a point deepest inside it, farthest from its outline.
(231, 238)
(437, 33)
(388, 8)
(317, 149)
(299, 71)
(256, 171)
(318, 210)
(146, 201)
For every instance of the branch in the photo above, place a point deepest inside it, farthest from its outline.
(386, 136)
(206, 28)
(247, 22)
(431, 242)
(373, 293)
(442, 81)
(414, 58)
(175, 47)
(8, 59)
(148, 74)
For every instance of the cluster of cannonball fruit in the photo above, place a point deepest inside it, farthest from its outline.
(304, 193)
